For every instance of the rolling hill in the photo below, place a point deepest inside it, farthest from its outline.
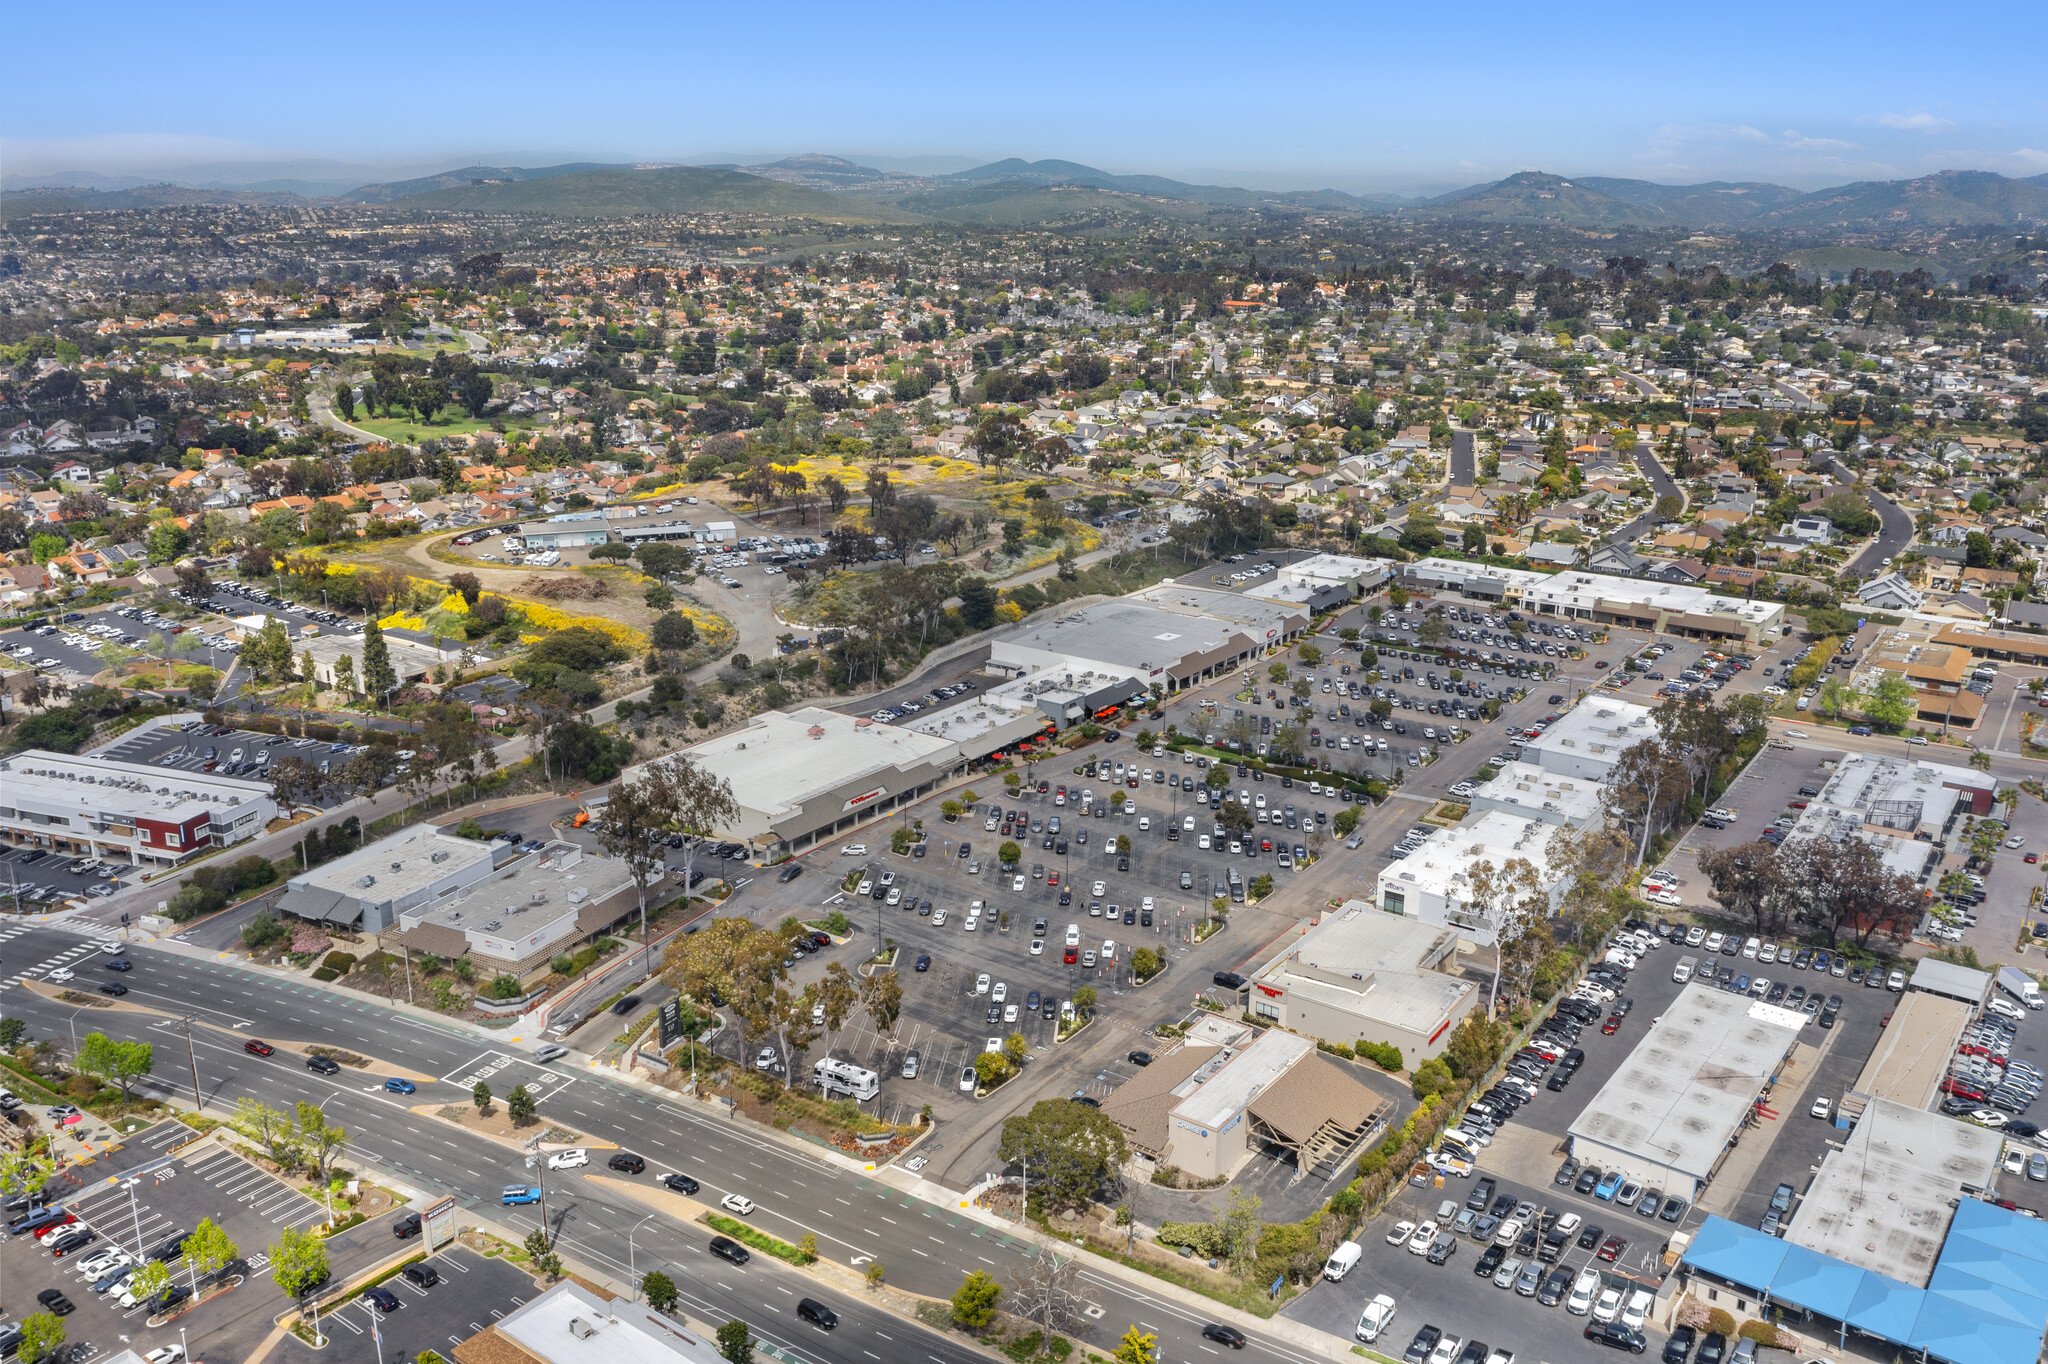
(625, 193)
(1944, 199)
(26, 202)
(467, 175)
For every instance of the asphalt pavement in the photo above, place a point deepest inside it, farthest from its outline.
(926, 1246)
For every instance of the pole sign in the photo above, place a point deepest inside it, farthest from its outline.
(671, 1023)
(438, 1221)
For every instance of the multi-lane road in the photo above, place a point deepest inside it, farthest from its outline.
(926, 1246)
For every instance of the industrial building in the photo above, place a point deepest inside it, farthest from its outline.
(576, 1322)
(1434, 883)
(1588, 740)
(1965, 986)
(1024, 709)
(1361, 975)
(1895, 1242)
(1207, 1109)
(1532, 792)
(104, 808)
(1168, 636)
(1603, 599)
(432, 892)
(1912, 1054)
(570, 530)
(803, 776)
(1323, 582)
(1673, 1109)
(1903, 807)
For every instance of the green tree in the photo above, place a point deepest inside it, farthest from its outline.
(541, 1252)
(269, 654)
(1009, 853)
(1892, 702)
(736, 1342)
(974, 1301)
(318, 1138)
(120, 1063)
(42, 1336)
(1070, 1149)
(1084, 1000)
(519, 1105)
(24, 1172)
(991, 1069)
(345, 401)
(481, 1097)
(44, 548)
(209, 1249)
(152, 1279)
(378, 677)
(659, 1290)
(1137, 1347)
(297, 1262)
(166, 541)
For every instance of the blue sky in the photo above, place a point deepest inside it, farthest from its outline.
(1409, 98)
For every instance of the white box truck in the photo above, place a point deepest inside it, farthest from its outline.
(1683, 971)
(2020, 986)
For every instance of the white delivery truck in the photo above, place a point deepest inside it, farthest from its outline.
(1683, 971)
(2020, 986)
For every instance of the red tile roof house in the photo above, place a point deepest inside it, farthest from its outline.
(85, 566)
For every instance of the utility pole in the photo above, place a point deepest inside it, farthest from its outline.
(192, 1058)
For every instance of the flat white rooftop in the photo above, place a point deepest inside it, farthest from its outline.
(46, 782)
(569, 1324)
(781, 759)
(1221, 1087)
(1885, 1200)
(1683, 1091)
(1597, 731)
(1524, 788)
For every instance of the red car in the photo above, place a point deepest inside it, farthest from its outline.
(1796, 804)
(1612, 1025)
(2033, 857)
(1072, 955)
(1611, 1249)
(1265, 845)
(255, 1048)
(1052, 878)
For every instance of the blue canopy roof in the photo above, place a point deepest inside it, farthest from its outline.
(1987, 1302)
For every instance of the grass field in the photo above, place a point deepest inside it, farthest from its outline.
(412, 433)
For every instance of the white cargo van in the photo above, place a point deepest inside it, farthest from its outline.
(1341, 1260)
(1683, 971)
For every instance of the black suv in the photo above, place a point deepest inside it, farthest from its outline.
(406, 1226)
(1617, 1335)
(627, 1163)
(323, 1065)
(817, 1313)
(730, 1250)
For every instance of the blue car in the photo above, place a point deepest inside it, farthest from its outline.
(1741, 985)
(519, 1193)
(398, 1086)
(1608, 1184)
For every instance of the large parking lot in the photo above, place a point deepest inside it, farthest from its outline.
(1524, 1157)
(194, 746)
(141, 1200)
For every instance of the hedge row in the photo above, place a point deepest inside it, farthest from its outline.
(759, 1240)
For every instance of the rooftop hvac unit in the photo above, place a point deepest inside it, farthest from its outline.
(578, 895)
(540, 897)
(396, 865)
(441, 856)
(366, 881)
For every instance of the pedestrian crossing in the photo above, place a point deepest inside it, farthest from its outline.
(66, 959)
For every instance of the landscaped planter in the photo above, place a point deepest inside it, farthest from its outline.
(498, 1008)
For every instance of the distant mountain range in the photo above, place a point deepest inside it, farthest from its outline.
(1015, 193)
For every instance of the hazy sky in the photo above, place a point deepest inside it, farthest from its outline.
(1410, 98)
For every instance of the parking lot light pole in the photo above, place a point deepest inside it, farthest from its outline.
(134, 1211)
(192, 1059)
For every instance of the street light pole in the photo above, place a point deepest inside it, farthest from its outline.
(632, 1260)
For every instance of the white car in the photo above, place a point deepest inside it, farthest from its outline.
(1822, 1107)
(1017, 881)
(866, 885)
(1400, 1233)
(1664, 897)
(1099, 890)
(165, 1354)
(733, 1202)
(62, 973)
(994, 1044)
(1073, 935)
(1037, 948)
(981, 983)
(568, 1160)
(1378, 1314)
(1000, 993)
(105, 1260)
(1609, 1306)
(1584, 1287)
(854, 850)
(1419, 1243)
(973, 922)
